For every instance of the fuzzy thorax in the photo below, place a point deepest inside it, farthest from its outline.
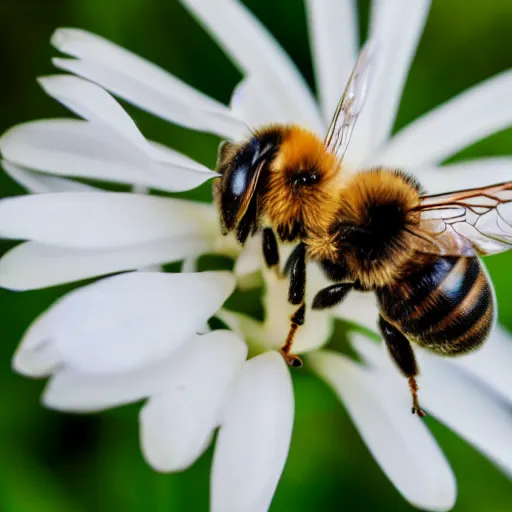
(370, 232)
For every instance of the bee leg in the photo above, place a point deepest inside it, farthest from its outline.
(295, 255)
(403, 355)
(271, 250)
(296, 294)
(331, 296)
(297, 319)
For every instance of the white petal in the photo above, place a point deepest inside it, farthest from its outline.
(492, 363)
(94, 104)
(251, 47)
(396, 27)
(245, 326)
(32, 265)
(142, 83)
(479, 172)
(71, 147)
(333, 32)
(254, 438)
(461, 403)
(252, 102)
(72, 390)
(36, 358)
(472, 115)
(360, 308)
(249, 260)
(37, 183)
(103, 220)
(177, 424)
(126, 321)
(399, 441)
(466, 407)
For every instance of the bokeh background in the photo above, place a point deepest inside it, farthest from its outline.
(52, 462)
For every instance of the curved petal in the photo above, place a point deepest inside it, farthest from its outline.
(334, 40)
(396, 27)
(254, 438)
(491, 364)
(251, 47)
(36, 358)
(75, 391)
(37, 183)
(142, 83)
(399, 441)
(177, 423)
(472, 115)
(93, 103)
(127, 321)
(479, 172)
(71, 390)
(461, 403)
(103, 220)
(72, 147)
(32, 265)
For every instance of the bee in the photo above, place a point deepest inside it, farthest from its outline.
(374, 230)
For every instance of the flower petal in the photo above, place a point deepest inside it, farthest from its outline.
(360, 308)
(254, 438)
(396, 27)
(32, 265)
(479, 172)
(472, 115)
(399, 441)
(37, 183)
(72, 147)
(461, 403)
(249, 260)
(94, 104)
(251, 47)
(252, 102)
(72, 390)
(142, 83)
(103, 220)
(491, 364)
(127, 321)
(36, 358)
(333, 32)
(177, 423)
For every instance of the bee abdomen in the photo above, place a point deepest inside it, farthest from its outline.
(452, 310)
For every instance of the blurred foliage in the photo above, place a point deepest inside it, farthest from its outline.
(53, 462)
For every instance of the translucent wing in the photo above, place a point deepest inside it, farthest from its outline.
(466, 222)
(351, 103)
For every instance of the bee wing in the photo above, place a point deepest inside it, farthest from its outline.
(466, 222)
(351, 103)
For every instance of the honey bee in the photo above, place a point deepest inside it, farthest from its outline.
(375, 230)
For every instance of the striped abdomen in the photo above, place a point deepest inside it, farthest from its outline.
(445, 305)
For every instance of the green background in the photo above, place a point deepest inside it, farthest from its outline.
(56, 462)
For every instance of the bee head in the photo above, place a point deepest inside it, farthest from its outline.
(244, 170)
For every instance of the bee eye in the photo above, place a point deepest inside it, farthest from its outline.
(305, 178)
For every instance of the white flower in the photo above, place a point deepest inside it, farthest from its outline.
(133, 336)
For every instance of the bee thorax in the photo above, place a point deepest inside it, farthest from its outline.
(372, 227)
